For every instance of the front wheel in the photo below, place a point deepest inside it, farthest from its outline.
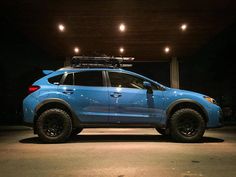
(54, 126)
(187, 125)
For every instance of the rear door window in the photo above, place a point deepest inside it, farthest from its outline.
(89, 78)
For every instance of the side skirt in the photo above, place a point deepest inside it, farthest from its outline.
(114, 125)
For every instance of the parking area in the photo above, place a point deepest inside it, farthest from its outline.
(119, 153)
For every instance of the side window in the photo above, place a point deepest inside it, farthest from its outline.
(69, 79)
(55, 79)
(127, 81)
(89, 78)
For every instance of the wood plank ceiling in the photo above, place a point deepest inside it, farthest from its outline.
(92, 25)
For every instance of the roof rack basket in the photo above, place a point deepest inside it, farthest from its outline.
(96, 62)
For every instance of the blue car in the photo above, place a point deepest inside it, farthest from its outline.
(65, 101)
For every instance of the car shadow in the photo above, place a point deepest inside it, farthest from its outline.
(119, 138)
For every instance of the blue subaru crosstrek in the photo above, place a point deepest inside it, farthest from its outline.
(65, 101)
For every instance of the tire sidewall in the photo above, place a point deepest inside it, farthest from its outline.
(67, 126)
(175, 133)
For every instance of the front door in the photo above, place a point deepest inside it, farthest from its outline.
(130, 103)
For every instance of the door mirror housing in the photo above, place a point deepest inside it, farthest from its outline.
(148, 86)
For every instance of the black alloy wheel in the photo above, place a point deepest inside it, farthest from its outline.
(54, 126)
(187, 125)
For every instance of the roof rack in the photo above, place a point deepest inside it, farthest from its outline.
(97, 62)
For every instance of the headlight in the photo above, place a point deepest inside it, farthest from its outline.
(211, 100)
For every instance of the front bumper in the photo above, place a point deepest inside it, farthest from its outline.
(215, 117)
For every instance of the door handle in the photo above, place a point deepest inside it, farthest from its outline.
(68, 91)
(116, 95)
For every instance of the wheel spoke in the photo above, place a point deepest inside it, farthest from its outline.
(53, 126)
(188, 127)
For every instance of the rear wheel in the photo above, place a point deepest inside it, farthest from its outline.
(187, 125)
(54, 126)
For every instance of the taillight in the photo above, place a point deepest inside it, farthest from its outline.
(33, 88)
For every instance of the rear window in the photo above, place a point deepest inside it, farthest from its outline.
(89, 78)
(69, 79)
(55, 79)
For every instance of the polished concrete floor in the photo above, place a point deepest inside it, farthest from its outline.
(118, 153)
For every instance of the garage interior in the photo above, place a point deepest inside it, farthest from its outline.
(199, 57)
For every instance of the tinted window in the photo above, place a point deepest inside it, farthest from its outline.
(89, 78)
(128, 81)
(69, 79)
(55, 79)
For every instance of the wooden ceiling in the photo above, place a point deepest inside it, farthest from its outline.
(92, 25)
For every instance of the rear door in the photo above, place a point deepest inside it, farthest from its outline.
(87, 94)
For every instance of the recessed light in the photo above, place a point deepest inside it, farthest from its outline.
(76, 50)
(167, 49)
(122, 50)
(61, 27)
(122, 27)
(183, 27)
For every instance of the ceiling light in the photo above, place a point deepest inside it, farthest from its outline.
(122, 50)
(122, 27)
(167, 49)
(183, 27)
(61, 27)
(76, 50)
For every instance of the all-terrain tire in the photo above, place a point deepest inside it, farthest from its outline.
(54, 126)
(187, 125)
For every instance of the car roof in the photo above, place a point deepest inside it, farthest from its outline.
(73, 69)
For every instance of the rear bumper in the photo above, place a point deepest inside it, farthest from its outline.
(29, 105)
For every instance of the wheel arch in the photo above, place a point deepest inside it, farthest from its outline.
(54, 103)
(186, 103)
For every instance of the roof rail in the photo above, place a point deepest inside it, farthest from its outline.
(96, 62)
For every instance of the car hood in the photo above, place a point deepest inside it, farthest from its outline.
(179, 92)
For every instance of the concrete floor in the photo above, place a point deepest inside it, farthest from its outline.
(118, 153)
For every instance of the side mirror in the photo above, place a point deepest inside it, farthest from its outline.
(148, 86)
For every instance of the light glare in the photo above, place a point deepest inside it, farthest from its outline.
(167, 49)
(122, 27)
(76, 50)
(183, 27)
(61, 27)
(122, 50)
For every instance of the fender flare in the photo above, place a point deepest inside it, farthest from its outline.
(62, 102)
(179, 101)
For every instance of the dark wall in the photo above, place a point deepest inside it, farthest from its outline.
(158, 71)
(21, 64)
(213, 69)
